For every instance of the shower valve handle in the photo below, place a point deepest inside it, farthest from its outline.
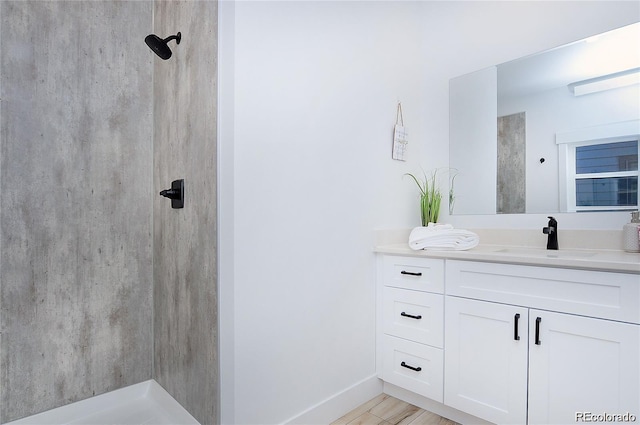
(176, 193)
(170, 193)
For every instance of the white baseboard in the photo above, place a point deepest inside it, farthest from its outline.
(339, 404)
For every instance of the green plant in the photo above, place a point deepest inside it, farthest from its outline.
(430, 197)
(452, 196)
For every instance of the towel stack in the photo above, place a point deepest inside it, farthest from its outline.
(442, 237)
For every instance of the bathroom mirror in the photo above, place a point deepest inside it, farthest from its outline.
(515, 126)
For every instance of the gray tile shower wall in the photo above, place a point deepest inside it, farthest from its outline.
(185, 241)
(77, 194)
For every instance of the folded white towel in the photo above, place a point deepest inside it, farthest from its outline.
(442, 237)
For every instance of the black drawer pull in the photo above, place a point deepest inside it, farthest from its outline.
(411, 273)
(418, 317)
(538, 320)
(417, 369)
(515, 327)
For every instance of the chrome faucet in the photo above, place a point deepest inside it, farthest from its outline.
(552, 231)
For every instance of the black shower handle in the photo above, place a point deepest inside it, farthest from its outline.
(176, 193)
(170, 193)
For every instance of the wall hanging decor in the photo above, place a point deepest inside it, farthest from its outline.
(399, 137)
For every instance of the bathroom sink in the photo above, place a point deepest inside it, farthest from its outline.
(547, 253)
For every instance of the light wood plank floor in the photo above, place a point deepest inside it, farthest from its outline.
(387, 410)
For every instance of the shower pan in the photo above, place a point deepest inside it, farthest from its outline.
(144, 403)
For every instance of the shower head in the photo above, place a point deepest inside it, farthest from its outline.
(159, 46)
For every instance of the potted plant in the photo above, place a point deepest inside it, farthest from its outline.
(430, 198)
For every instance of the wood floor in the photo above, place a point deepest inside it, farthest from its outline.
(387, 410)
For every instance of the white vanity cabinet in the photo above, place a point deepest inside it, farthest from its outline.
(505, 350)
(410, 345)
(510, 343)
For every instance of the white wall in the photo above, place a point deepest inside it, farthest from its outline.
(315, 87)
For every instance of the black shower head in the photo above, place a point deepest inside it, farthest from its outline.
(160, 46)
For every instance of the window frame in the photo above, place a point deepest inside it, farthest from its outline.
(567, 144)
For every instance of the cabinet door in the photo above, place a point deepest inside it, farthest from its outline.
(581, 365)
(486, 359)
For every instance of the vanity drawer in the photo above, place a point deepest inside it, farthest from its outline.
(414, 315)
(420, 274)
(412, 366)
(606, 295)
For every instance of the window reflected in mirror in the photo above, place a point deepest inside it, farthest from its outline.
(606, 176)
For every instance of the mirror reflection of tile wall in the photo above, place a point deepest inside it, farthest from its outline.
(511, 188)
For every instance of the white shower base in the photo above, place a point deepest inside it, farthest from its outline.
(144, 403)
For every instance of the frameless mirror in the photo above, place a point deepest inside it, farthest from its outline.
(518, 129)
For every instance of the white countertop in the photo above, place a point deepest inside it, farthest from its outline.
(587, 259)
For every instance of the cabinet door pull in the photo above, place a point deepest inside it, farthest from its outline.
(417, 369)
(515, 327)
(418, 317)
(411, 273)
(538, 320)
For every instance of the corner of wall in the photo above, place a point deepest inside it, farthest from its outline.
(226, 248)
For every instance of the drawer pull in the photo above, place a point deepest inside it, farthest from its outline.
(411, 273)
(418, 317)
(515, 327)
(417, 369)
(538, 320)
